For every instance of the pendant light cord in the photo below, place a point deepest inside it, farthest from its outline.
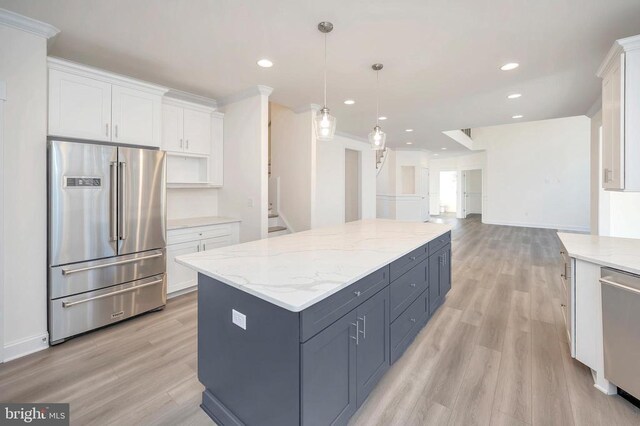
(325, 70)
(377, 98)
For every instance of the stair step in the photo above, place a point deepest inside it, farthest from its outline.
(277, 228)
(272, 215)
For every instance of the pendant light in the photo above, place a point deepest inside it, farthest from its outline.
(377, 137)
(325, 122)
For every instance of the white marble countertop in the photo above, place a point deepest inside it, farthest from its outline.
(298, 270)
(614, 252)
(198, 221)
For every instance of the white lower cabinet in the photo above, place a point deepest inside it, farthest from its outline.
(191, 240)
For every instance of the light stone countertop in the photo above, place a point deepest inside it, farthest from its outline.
(198, 221)
(297, 270)
(614, 252)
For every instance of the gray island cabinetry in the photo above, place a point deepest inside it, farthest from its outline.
(304, 333)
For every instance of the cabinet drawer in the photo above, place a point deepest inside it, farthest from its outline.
(439, 242)
(405, 328)
(176, 236)
(405, 263)
(317, 317)
(407, 288)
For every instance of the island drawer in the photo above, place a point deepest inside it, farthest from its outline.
(439, 242)
(319, 316)
(400, 266)
(408, 287)
(405, 328)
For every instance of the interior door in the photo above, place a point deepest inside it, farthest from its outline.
(82, 203)
(465, 194)
(424, 194)
(141, 200)
(373, 343)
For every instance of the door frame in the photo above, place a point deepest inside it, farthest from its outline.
(462, 190)
(3, 98)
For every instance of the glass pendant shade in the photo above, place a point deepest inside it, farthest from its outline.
(325, 125)
(377, 139)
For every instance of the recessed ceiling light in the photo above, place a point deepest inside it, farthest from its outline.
(514, 96)
(349, 102)
(510, 66)
(408, 130)
(517, 116)
(409, 143)
(444, 149)
(382, 118)
(265, 63)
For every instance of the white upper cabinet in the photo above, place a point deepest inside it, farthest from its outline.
(79, 107)
(136, 116)
(88, 103)
(620, 73)
(171, 128)
(197, 131)
(217, 131)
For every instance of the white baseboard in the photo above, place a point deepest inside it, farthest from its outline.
(537, 225)
(26, 346)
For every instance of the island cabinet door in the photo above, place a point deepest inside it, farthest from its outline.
(328, 381)
(373, 343)
(445, 273)
(435, 268)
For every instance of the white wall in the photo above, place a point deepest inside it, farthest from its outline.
(188, 203)
(23, 67)
(292, 160)
(329, 206)
(538, 173)
(449, 191)
(244, 194)
(351, 185)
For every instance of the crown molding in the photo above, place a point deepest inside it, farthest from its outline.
(20, 22)
(595, 107)
(3, 91)
(106, 76)
(249, 92)
(618, 48)
(180, 95)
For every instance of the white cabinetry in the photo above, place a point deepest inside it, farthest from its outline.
(92, 104)
(193, 138)
(190, 240)
(620, 73)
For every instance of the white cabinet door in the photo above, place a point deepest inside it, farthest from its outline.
(180, 277)
(172, 128)
(216, 163)
(612, 125)
(79, 107)
(211, 243)
(136, 117)
(197, 132)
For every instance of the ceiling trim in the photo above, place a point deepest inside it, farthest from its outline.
(180, 95)
(595, 107)
(249, 92)
(24, 23)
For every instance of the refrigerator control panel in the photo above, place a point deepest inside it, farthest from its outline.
(82, 181)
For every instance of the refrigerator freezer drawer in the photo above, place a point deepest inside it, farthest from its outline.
(73, 315)
(89, 276)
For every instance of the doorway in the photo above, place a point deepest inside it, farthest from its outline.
(351, 185)
(471, 192)
(448, 192)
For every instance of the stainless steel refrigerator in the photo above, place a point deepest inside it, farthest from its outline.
(107, 235)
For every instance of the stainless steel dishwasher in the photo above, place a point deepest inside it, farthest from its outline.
(621, 329)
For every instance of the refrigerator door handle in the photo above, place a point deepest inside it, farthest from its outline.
(107, 265)
(113, 199)
(122, 220)
(66, 304)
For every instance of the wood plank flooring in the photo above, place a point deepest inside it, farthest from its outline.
(494, 354)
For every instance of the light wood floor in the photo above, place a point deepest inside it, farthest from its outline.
(494, 354)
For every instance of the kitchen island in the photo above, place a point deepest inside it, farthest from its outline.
(299, 329)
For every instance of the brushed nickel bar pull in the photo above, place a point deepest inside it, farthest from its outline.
(106, 130)
(623, 287)
(122, 225)
(106, 265)
(113, 219)
(102, 296)
(364, 326)
(357, 338)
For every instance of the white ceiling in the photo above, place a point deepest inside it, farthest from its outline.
(441, 58)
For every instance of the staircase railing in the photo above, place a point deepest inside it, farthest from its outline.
(380, 157)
